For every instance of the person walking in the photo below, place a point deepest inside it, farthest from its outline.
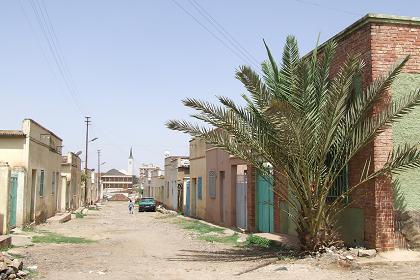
(131, 207)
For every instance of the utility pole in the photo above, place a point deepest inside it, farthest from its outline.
(87, 121)
(99, 175)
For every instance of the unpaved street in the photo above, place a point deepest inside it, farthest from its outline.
(149, 246)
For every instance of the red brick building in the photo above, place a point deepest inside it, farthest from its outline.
(380, 40)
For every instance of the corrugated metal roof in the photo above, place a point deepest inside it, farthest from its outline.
(12, 133)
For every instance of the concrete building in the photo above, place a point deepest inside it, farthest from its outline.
(177, 183)
(145, 178)
(157, 185)
(93, 188)
(198, 174)
(114, 179)
(70, 189)
(226, 189)
(34, 156)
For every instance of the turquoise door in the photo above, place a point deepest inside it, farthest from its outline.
(264, 207)
(187, 206)
(13, 202)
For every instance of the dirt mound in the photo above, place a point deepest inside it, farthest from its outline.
(119, 197)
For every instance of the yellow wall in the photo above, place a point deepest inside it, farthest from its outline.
(198, 149)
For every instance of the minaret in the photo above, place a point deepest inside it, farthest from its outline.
(130, 169)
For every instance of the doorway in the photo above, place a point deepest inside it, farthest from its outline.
(222, 196)
(13, 201)
(33, 195)
(265, 219)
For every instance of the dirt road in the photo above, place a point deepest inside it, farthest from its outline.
(147, 246)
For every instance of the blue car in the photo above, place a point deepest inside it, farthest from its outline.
(147, 204)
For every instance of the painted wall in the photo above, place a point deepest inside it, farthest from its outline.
(224, 204)
(12, 150)
(408, 130)
(39, 150)
(198, 149)
(175, 173)
(4, 198)
(70, 188)
(44, 154)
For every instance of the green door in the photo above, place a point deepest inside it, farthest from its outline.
(265, 221)
(13, 202)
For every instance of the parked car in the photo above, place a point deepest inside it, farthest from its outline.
(147, 204)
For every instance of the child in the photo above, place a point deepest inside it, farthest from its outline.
(131, 207)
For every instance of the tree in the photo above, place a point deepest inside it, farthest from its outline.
(302, 125)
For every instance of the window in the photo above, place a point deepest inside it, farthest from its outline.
(200, 188)
(41, 183)
(340, 186)
(53, 183)
(212, 184)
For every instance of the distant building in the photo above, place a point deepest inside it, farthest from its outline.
(177, 183)
(157, 185)
(114, 179)
(145, 178)
(130, 167)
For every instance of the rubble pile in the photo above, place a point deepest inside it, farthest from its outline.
(344, 257)
(11, 268)
(163, 210)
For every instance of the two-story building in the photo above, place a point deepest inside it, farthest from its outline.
(34, 156)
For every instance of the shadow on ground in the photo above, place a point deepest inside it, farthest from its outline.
(228, 255)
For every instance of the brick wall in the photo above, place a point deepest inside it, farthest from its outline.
(380, 45)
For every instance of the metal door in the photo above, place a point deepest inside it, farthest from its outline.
(13, 202)
(187, 203)
(265, 221)
(241, 203)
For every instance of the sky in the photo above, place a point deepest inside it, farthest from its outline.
(128, 63)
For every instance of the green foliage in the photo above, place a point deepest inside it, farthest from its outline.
(230, 239)
(302, 125)
(198, 226)
(80, 215)
(28, 229)
(51, 237)
(257, 241)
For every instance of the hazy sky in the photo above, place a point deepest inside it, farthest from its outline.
(129, 63)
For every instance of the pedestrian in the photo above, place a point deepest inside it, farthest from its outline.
(131, 207)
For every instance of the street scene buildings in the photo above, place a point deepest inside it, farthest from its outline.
(229, 206)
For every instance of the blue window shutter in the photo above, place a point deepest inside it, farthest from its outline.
(200, 188)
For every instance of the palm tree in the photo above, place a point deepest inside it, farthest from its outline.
(302, 125)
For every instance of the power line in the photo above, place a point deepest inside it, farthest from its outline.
(48, 31)
(223, 31)
(239, 55)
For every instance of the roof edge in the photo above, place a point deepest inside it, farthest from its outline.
(367, 19)
(12, 133)
(43, 127)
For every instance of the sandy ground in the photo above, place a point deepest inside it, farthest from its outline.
(145, 246)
